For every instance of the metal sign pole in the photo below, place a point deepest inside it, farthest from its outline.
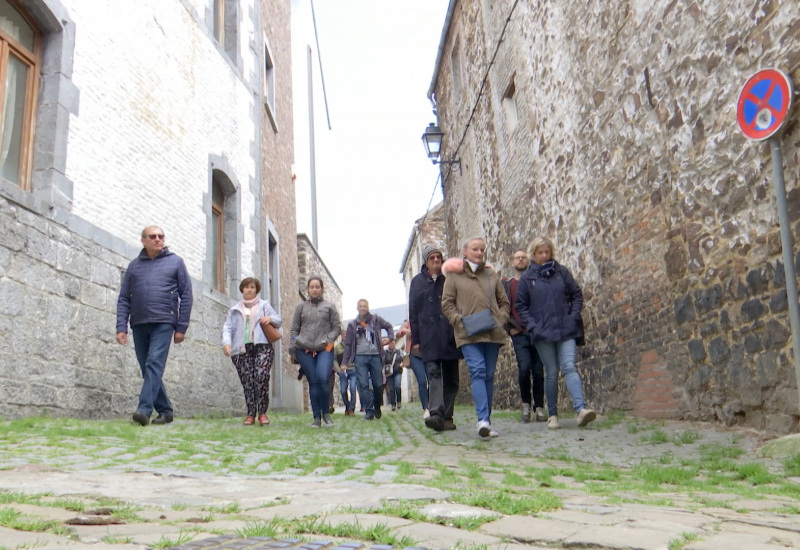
(788, 253)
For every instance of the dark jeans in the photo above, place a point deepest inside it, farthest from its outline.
(317, 368)
(348, 380)
(418, 366)
(370, 367)
(442, 387)
(151, 342)
(395, 391)
(530, 366)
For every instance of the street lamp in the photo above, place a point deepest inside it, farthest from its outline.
(432, 140)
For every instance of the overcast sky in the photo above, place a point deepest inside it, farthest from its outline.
(373, 178)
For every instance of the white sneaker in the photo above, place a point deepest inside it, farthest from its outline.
(586, 416)
(552, 423)
(485, 429)
(425, 414)
(541, 416)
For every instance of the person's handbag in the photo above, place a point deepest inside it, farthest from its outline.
(483, 320)
(271, 332)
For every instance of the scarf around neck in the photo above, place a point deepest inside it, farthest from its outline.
(253, 307)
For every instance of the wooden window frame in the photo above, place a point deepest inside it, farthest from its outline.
(219, 261)
(9, 46)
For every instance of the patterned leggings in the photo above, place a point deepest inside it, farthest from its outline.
(253, 367)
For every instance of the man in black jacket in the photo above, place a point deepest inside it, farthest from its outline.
(528, 362)
(432, 336)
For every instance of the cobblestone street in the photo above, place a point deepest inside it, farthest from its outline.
(175, 507)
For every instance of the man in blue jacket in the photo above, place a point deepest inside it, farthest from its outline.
(156, 296)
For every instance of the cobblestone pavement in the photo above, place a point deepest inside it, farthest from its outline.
(216, 511)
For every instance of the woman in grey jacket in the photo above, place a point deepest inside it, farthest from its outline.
(315, 327)
(244, 341)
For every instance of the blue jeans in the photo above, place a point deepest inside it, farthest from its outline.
(370, 367)
(481, 359)
(530, 366)
(317, 367)
(553, 355)
(348, 380)
(395, 390)
(151, 342)
(418, 366)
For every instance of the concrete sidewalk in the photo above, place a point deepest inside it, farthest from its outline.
(172, 505)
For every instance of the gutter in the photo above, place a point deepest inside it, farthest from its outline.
(440, 53)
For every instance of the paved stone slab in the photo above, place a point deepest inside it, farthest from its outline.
(619, 537)
(579, 517)
(439, 536)
(532, 530)
(446, 510)
(791, 538)
(669, 516)
(732, 541)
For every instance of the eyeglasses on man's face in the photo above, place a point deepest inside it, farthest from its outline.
(156, 236)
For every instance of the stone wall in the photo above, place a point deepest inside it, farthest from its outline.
(610, 127)
(59, 283)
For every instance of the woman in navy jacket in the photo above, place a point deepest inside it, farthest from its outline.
(549, 302)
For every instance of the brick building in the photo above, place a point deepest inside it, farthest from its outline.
(610, 127)
(169, 112)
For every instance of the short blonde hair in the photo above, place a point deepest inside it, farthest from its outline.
(466, 243)
(538, 242)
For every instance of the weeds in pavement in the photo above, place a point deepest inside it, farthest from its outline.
(117, 540)
(685, 538)
(13, 519)
(513, 478)
(610, 419)
(685, 438)
(792, 466)
(230, 508)
(656, 437)
(406, 469)
(164, 542)
(314, 525)
(507, 503)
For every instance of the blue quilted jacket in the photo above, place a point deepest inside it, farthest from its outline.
(156, 290)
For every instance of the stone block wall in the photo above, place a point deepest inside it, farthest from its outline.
(59, 283)
(610, 127)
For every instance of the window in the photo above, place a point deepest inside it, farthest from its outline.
(219, 21)
(269, 84)
(19, 57)
(510, 106)
(217, 235)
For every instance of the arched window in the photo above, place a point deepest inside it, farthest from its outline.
(217, 234)
(19, 69)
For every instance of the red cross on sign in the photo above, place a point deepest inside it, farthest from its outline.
(763, 104)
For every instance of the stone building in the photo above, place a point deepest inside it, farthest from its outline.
(610, 127)
(429, 229)
(121, 115)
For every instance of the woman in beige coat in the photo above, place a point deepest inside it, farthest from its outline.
(471, 287)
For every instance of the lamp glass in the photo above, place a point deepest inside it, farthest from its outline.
(432, 140)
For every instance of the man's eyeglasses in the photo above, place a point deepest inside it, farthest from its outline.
(435, 257)
(154, 237)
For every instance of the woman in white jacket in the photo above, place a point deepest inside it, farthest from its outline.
(244, 341)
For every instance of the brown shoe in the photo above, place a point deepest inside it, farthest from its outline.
(249, 421)
(448, 425)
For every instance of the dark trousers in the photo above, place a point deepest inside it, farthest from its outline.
(395, 392)
(442, 387)
(151, 342)
(531, 370)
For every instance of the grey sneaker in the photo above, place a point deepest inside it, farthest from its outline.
(526, 412)
(541, 416)
(552, 423)
(586, 416)
(316, 424)
(326, 421)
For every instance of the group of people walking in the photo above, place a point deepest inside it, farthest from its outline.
(459, 308)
